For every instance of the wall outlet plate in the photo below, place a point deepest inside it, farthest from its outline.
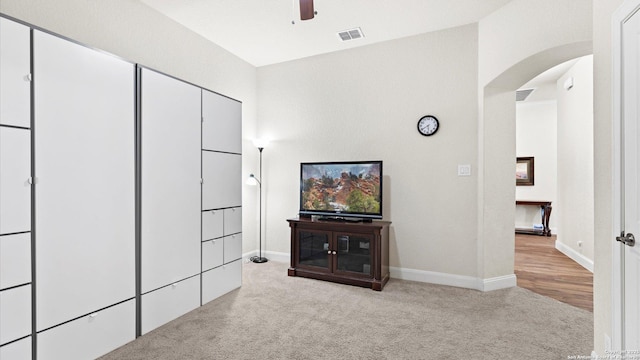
(464, 170)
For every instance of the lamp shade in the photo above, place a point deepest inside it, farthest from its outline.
(260, 143)
(252, 180)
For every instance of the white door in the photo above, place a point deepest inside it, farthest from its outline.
(84, 161)
(171, 189)
(630, 253)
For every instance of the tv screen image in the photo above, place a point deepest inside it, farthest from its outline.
(352, 189)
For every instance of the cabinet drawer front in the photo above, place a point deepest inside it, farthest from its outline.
(17, 350)
(15, 171)
(15, 312)
(222, 123)
(212, 222)
(232, 248)
(212, 254)
(221, 280)
(90, 336)
(165, 304)
(232, 220)
(222, 180)
(15, 59)
(15, 260)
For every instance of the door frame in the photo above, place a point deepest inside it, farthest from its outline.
(626, 10)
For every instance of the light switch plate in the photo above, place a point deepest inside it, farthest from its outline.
(464, 170)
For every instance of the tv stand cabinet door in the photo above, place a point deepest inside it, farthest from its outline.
(354, 254)
(312, 250)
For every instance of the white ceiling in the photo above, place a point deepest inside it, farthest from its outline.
(261, 32)
(545, 83)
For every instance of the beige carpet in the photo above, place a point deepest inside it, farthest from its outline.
(274, 316)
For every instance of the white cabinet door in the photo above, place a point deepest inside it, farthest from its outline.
(232, 248)
(15, 260)
(232, 220)
(165, 304)
(222, 183)
(171, 176)
(221, 280)
(222, 123)
(15, 313)
(90, 336)
(212, 224)
(15, 63)
(85, 213)
(212, 254)
(15, 171)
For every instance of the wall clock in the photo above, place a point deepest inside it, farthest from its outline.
(428, 125)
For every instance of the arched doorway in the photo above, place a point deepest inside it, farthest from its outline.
(496, 158)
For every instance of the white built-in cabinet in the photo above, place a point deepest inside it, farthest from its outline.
(15, 191)
(136, 181)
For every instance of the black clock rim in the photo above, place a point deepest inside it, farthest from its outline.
(428, 116)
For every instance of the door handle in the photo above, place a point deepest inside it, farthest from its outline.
(628, 239)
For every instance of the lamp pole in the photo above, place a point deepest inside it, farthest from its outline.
(259, 258)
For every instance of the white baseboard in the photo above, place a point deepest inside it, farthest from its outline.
(462, 281)
(500, 282)
(575, 256)
(468, 282)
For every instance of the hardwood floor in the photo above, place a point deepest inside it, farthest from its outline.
(541, 268)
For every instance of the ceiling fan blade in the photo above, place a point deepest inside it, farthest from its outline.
(306, 9)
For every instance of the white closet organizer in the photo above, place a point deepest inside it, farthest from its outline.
(136, 181)
(15, 191)
(84, 103)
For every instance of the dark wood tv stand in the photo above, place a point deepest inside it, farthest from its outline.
(344, 252)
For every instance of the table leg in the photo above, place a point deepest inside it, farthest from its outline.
(546, 214)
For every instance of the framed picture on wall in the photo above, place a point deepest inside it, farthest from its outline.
(524, 171)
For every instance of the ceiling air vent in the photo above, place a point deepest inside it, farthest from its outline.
(350, 34)
(521, 95)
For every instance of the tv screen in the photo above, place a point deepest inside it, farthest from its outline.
(342, 189)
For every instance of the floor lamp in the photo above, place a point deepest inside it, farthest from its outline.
(258, 181)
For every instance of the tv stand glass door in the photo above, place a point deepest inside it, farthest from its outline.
(314, 249)
(353, 254)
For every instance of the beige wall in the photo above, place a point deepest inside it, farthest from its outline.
(136, 33)
(575, 158)
(604, 232)
(364, 104)
(524, 28)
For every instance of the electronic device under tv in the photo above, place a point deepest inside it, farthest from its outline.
(345, 191)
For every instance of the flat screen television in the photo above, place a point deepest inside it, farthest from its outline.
(350, 190)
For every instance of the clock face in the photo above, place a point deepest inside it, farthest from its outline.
(428, 125)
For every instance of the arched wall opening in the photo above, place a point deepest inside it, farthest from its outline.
(496, 159)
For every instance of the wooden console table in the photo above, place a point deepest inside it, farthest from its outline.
(546, 214)
(344, 252)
